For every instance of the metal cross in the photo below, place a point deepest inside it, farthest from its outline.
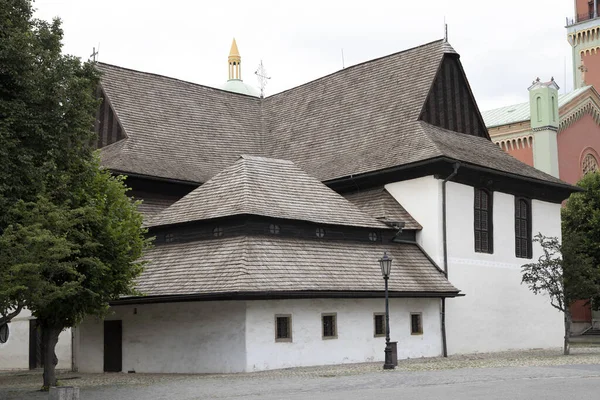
(94, 53)
(263, 79)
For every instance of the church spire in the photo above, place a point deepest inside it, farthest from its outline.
(234, 61)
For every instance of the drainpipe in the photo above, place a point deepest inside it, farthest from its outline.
(445, 242)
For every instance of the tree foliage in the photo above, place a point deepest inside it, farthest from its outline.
(581, 236)
(70, 238)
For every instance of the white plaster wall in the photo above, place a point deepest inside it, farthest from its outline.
(14, 354)
(422, 198)
(196, 337)
(497, 313)
(355, 341)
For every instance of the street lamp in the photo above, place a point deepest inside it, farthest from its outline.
(386, 266)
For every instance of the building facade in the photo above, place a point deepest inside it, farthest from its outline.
(270, 215)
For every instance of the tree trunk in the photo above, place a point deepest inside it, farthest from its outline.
(50, 339)
(567, 343)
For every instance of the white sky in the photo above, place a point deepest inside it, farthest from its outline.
(504, 45)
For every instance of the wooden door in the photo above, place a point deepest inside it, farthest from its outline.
(36, 355)
(113, 346)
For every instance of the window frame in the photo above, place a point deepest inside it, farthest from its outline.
(286, 339)
(529, 237)
(335, 328)
(375, 315)
(420, 331)
(490, 221)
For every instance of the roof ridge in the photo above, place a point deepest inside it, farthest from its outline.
(177, 79)
(357, 65)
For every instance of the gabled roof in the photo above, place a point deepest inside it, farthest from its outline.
(245, 264)
(521, 112)
(266, 187)
(361, 119)
(380, 204)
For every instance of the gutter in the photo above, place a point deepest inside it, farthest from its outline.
(266, 295)
(445, 244)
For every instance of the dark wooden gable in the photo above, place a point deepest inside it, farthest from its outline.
(450, 103)
(108, 127)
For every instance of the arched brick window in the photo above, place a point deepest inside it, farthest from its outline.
(589, 164)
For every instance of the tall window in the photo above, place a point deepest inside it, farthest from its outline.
(483, 221)
(522, 228)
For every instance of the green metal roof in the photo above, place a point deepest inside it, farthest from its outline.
(521, 112)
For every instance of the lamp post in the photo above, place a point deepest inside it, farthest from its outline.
(386, 266)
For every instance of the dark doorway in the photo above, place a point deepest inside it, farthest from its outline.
(113, 347)
(36, 355)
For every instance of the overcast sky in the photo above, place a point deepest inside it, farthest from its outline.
(504, 45)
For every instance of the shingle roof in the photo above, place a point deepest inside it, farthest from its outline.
(379, 204)
(265, 187)
(481, 152)
(521, 112)
(176, 129)
(361, 119)
(258, 264)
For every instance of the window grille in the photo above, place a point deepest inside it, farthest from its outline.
(329, 326)
(283, 328)
(416, 324)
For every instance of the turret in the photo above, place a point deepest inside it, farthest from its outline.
(543, 103)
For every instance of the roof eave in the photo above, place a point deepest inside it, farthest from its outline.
(276, 295)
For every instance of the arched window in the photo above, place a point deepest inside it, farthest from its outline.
(589, 164)
(483, 221)
(522, 228)
(554, 109)
(538, 102)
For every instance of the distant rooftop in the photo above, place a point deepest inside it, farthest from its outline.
(521, 112)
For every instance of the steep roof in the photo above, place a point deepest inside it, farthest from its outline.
(175, 129)
(265, 187)
(521, 112)
(380, 204)
(361, 119)
(271, 264)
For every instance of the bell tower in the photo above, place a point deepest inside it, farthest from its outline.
(583, 33)
(234, 61)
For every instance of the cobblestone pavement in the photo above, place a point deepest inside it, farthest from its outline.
(509, 375)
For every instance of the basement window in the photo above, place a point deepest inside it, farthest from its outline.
(283, 327)
(416, 324)
(329, 322)
(4, 331)
(379, 324)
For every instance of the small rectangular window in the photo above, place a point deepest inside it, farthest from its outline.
(329, 322)
(523, 247)
(483, 215)
(379, 324)
(283, 328)
(416, 324)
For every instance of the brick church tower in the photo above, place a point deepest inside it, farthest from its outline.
(583, 33)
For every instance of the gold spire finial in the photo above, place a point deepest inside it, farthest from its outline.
(234, 61)
(234, 52)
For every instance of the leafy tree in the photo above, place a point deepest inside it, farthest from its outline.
(562, 273)
(70, 237)
(581, 221)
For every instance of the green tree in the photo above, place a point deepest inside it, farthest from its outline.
(562, 273)
(70, 237)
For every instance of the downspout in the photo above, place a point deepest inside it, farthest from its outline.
(445, 244)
